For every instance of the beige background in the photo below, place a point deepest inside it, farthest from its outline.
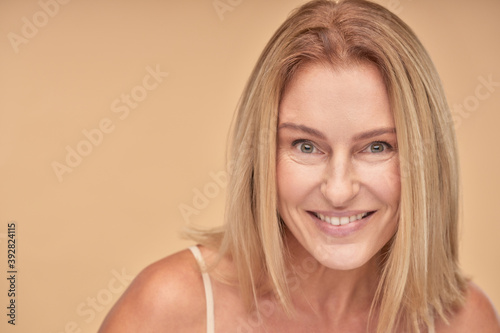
(119, 208)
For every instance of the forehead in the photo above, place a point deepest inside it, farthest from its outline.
(321, 94)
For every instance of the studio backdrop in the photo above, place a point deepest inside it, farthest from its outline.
(114, 117)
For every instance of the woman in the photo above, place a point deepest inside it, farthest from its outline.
(343, 202)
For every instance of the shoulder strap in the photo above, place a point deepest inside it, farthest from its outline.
(209, 296)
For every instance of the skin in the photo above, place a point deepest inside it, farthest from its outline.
(342, 170)
(337, 156)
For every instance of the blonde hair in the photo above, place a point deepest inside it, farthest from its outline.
(420, 279)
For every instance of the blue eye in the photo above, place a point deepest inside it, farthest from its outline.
(305, 147)
(378, 147)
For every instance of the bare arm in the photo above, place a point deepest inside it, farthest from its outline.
(477, 315)
(167, 296)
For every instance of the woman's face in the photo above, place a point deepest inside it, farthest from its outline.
(337, 166)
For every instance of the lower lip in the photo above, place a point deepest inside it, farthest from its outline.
(340, 231)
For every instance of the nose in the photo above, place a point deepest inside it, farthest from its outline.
(340, 184)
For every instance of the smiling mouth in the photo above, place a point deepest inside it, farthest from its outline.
(336, 220)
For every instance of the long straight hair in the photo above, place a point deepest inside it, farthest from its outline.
(420, 279)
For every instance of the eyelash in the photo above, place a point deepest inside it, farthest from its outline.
(296, 143)
(383, 143)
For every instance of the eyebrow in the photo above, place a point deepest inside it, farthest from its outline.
(304, 129)
(375, 132)
(357, 137)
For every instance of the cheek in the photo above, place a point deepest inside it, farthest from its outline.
(295, 181)
(384, 180)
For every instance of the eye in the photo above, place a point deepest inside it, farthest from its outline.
(305, 147)
(379, 147)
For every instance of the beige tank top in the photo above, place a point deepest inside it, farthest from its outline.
(209, 295)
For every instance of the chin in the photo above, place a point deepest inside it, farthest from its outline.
(343, 258)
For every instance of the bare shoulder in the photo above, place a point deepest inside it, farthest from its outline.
(167, 296)
(477, 315)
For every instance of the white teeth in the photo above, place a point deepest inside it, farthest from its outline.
(335, 220)
(340, 220)
(344, 220)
